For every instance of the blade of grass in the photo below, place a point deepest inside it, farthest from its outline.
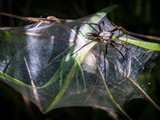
(143, 44)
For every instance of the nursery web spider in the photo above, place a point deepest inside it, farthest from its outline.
(105, 36)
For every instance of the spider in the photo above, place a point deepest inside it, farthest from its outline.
(105, 36)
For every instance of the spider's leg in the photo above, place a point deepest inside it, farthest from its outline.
(99, 26)
(113, 29)
(117, 28)
(82, 47)
(119, 44)
(116, 49)
(124, 31)
(105, 51)
(100, 29)
(103, 25)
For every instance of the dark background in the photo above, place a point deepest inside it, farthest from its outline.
(140, 16)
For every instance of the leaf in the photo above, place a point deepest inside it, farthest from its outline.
(144, 44)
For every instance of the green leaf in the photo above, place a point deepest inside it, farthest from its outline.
(144, 44)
